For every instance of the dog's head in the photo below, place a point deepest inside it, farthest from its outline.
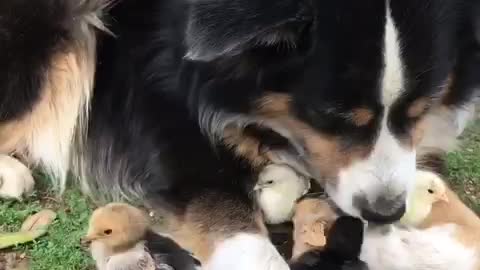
(336, 89)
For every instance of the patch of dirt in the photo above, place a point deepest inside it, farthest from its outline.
(14, 261)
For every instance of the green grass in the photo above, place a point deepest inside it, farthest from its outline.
(464, 168)
(60, 249)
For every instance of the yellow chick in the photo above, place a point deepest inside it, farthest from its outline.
(277, 191)
(429, 189)
(115, 235)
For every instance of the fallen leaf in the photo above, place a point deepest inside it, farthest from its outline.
(39, 221)
(14, 261)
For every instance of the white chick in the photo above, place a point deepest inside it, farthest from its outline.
(429, 189)
(277, 191)
(115, 234)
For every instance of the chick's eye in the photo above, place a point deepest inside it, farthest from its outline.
(430, 191)
(107, 232)
(269, 182)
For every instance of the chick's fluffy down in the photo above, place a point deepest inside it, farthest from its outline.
(278, 189)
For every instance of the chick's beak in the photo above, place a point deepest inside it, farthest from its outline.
(444, 197)
(87, 240)
(258, 187)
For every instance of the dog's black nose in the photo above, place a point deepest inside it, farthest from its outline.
(378, 218)
(384, 210)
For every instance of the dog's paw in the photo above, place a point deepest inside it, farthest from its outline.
(16, 179)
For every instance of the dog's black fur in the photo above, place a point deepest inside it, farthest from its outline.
(176, 74)
(165, 251)
(149, 102)
(30, 34)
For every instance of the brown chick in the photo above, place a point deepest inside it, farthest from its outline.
(312, 220)
(115, 235)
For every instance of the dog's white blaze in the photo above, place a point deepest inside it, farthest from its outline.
(246, 251)
(388, 171)
(390, 168)
(393, 74)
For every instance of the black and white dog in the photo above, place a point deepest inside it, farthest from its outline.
(179, 103)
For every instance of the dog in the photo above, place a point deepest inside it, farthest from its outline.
(181, 103)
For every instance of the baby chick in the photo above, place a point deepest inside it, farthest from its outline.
(453, 212)
(312, 220)
(115, 235)
(120, 238)
(277, 190)
(429, 189)
(342, 249)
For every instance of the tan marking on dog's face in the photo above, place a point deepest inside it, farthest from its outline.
(418, 107)
(245, 146)
(361, 116)
(47, 132)
(274, 105)
(248, 147)
(326, 153)
(448, 89)
(417, 133)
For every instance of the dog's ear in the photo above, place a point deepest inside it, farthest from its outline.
(345, 238)
(219, 28)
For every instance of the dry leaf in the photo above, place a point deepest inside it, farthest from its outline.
(39, 221)
(13, 261)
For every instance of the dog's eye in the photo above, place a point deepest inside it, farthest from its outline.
(107, 232)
